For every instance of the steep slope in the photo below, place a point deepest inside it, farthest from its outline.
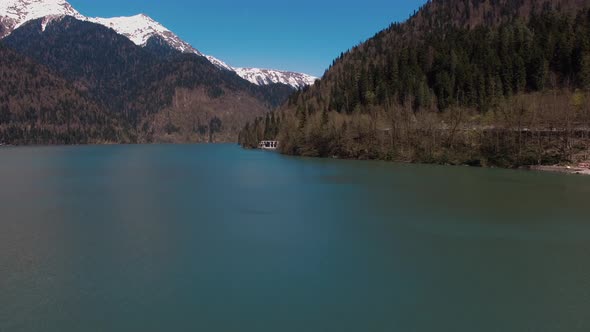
(448, 48)
(39, 107)
(134, 83)
(456, 83)
(95, 58)
(220, 64)
(140, 28)
(14, 13)
(468, 13)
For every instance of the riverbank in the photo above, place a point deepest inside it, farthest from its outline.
(580, 169)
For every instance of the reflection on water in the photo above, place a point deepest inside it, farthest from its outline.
(215, 238)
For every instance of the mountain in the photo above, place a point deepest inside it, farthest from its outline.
(154, 86)
(479, 82)
(95, 58)
(14, 13)
(144, 87)
(37, 106)
(139, 29)
(269, 76)
(220, 64)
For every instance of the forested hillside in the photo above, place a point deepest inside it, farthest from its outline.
(37, 106)
(150, 90)
(465, 81)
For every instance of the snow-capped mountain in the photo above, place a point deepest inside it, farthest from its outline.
(139, 29)
(269, 76)
(260, 76)
(220, 64)
(14, 13)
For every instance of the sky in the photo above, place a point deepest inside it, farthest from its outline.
(302, 36)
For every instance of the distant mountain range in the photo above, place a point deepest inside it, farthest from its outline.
(139, 29)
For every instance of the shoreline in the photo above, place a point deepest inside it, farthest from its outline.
(576, 170)
(582, 168)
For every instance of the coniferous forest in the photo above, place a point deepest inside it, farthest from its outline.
(39, 107)
(461, 82)
(75, 82)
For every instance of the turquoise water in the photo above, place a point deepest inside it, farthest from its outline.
(216, 238)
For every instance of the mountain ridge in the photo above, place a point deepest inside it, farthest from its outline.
(270, 76)
(139, 29)
(151, 90)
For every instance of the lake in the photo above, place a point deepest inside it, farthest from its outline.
(216, 238)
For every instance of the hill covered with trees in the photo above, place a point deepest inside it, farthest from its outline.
(495, 82)
(39, 107)
(159, 94)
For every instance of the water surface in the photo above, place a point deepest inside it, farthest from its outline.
(216, 238)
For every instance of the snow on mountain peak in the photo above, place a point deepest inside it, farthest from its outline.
(139, 29)
(14, 13)
(269, 76)
(218, 63)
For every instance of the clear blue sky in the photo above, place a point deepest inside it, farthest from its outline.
(303, 35)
